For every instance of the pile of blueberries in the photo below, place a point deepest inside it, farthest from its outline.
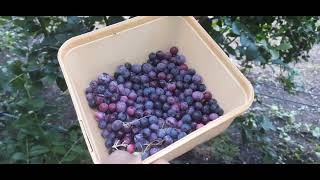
(146, 107)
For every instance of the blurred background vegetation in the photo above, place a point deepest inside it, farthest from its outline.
(38, 123)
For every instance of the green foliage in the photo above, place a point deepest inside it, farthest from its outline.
(30, 124)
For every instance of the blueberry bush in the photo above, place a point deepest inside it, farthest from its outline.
(33, 126)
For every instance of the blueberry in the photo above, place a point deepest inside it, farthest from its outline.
(181, 135)
(146, 67)
(94, 84)
(179, 84)
(161, 133)
(197, 116)
(146, 132)
(109, 143)
(157, 105)
(101, 89)
(187, 118)
(138, 138)
(171, 86)
(185, 128)
(168, 140)
(145, 155)
(174, 51)
(206, 109)
(102, 124)
(117, 125)
(154, 127)
(179, 77)
(161, 122)
(165, 107)
(122, 116)
(120, 79)
(104, 79)
(220, 111)
(158, 113)
(205, 119)
(144, 122)
(197, 96)
(148, 105)
(171, 66)
(189, 100)
(153, 150)
(171, 100)
(171, 121)
(152, 75)
(198, 105)
(197, 79)
(161, 67)
(105, 133)
(162, 83)
(184, 106)
(174, 71)
(152, 56)
(181, 59)
(163, 98)
(173, 133)
(99, 116)
(139, 113)
(160, 55)
(153, 136)
(121, 107)
(136, 68)
(161, 76)
(201, 87)
(135, 130)
(171, 113)
(191, 71)
(153, 119)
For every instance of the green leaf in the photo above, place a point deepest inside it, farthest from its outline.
(61, 150)
(245, 40)
(114, 19)
(284, 46)
(18, 156)
(316, 132)
(73, 19)
(61, 37)
(252, 52)
(38, 150)
(61, 84)
(16, 67)
(37, 103)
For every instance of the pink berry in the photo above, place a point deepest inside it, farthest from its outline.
(207, 95)
(131, 110)
(103, 107)
(112, 107)
(99, 116)
(183, 67)
(124, 98)
(130, 148)
(200, 125)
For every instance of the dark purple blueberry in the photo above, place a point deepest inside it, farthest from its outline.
(153, 120)
(120, 79)
(161, 67)
(171, 100)
(146, 67)
(136, 68)
(105, 133)
(145, 155)
(168, 140)
(109, 143)
(161, 122)
(117, 125)
(88, 90)
(171, 86)
(113, 87)
(181, 97)
(127, 140)
(173, 133)
(148, 105)
(130, 102)
(112, 117)
(163, 98)
(152, 75)
(205, 119)
(220, 111)
(180, 59)
(169, 77)
(213, 108)
(152, 56)
(153, 150)
(179, 124)
(181, 135)
(191, 71)
(179, 84)
(187, 118)
(197, 96)
(197, 115)
(120, 134)
(115, 97)
(184, 73)
(201, 87)
(213, 116)
(158, 113)
(161, 133)
(153, 136)
(92, 103)
(102, 124)
(128, 65)
(212, 101)
(187, 78)
(160, 55)
(168, 55)
(185, 128)
(154, 98)
(127, 130)
(159, 91)
(154, 127)
(104, 78)
(139, 106)
(206, 109)
(140, 99)
(94, 84)
(124, 99)
(184, 106)
(138, 138)
(161, 76)
(171, 66)
(193, 125)
(174, 51)
(144, 78)
(144, 122)
(146, 132)
(193, 86)
(171, 113)
(101, 89)
(135, 123)
(128, 84)
(121, 106)
(197, 79)
(148, 112)
(89, 96)
(109, 127)
(171, 121)
(174, 71)
(164, 115)
(139, 113)
(111, 135)
(189, 100)
(178, 77)
(198, 105)
(190, 110)
(122, 116)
